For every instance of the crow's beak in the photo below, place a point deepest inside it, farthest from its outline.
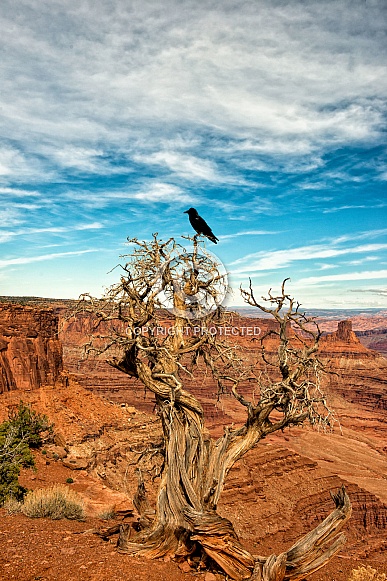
(186, 212)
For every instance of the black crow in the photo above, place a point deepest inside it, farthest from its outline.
(200, 225)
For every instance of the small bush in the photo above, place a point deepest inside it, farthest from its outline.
(69, 480)
(30, 426)
(55, 502)
(9, 474)
(366, 574)
(24, 429)
(108, 514)
(11, 505)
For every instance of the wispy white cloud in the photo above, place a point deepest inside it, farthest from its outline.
(333, 209)
(93, 200)
(17, 166)
(362, 260)
(364, 235)
(284, 258)
(9, 217)
(82, 158)
(18, 193)
(247, 233)
(91, 226)
(345, 276)
(30, 259)
(186, 166)
(161, 192)
(147, 192)
(6, 235)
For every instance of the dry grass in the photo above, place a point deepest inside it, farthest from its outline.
(366, 574)
(108, 514)
(54, 502)
(11, 505)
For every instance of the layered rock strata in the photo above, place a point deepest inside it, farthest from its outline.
(30, 351)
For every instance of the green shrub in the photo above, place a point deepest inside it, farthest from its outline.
(9, 484)
(54, 502)
(69, 480)
(30, 426)
(24, 429)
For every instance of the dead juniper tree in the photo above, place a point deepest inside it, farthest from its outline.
(146, 325)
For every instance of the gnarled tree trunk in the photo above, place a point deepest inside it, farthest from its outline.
(186, 520)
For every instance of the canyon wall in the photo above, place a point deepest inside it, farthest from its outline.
(30, 351)
(374, 339)
(359, 374)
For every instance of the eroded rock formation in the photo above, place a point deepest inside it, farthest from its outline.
(30, 351)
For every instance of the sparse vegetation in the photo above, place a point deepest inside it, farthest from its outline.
(107, 514)
(366, 574)
(25, 429)
(69, 480)
(12, 506)
(54, 502)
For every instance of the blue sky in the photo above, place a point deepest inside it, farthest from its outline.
(267, 116)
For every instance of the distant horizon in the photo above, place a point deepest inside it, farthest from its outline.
(3, 298)
(267, 117)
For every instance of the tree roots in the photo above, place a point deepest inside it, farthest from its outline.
(214, 535)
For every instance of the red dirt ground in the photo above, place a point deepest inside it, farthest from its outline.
(47, 550)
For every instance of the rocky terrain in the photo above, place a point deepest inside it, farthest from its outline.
(279, 491)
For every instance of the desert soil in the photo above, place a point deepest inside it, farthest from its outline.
(48, 550)
(66, 550)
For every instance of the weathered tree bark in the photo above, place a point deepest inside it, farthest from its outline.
(186, 520)
(311, 552)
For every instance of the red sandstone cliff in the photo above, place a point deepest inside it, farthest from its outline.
(359, 374)
(30, 351)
